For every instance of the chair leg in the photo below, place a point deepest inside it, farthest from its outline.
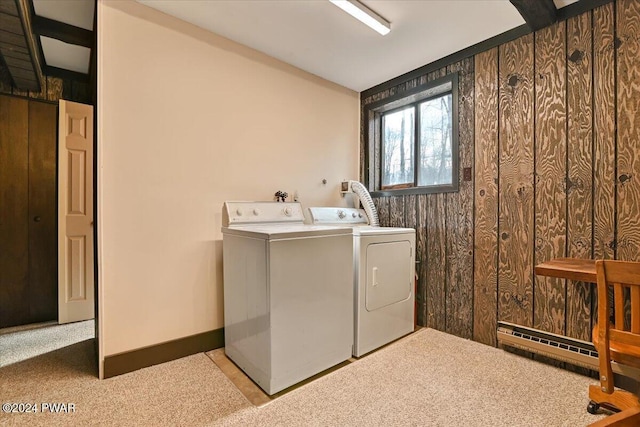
(619, 399)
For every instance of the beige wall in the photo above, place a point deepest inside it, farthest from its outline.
(187, 120)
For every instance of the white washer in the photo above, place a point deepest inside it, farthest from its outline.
(384, 277)
(288, 311)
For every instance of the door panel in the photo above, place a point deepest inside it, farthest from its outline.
(14, 226)
(75, 213)
(388, 273)
(43, 246)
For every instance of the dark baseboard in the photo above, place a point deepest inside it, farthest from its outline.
(129, 361)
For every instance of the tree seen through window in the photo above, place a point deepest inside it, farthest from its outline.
(430, 123)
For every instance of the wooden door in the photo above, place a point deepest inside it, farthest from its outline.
(14, 211)
(43, 246)
(75, 213)
(28, 261)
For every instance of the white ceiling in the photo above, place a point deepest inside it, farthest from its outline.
(63, 55)
(78, 13)
(318, 37)
(72, 12)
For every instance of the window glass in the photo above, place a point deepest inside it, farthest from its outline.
(398, 147)
(435, 162)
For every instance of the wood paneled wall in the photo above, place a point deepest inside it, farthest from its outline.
(52, 89)
(550, 124)
(444, 224)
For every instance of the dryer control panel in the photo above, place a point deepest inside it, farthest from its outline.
(347, 216)
(245, 213)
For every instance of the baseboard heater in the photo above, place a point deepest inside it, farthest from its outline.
(559, 347)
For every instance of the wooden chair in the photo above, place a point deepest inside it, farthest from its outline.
(627, 418)
(613, 341)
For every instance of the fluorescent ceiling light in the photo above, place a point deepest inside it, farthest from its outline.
(365, 15)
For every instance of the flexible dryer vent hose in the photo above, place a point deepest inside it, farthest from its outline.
(366, 201)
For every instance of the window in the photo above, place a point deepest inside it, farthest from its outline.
(412, 140)
(398, 130)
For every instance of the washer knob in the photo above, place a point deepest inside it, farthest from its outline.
(341, 214)
(239, 212)
(359, 215)
(353, 215)
(256, 211)
(287, 211)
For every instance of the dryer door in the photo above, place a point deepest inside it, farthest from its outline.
(388, 270)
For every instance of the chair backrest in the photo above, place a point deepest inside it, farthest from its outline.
(619, 275)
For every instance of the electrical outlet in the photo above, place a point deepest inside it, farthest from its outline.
(466, 174)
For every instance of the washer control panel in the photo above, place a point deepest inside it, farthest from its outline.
(348, 216)
(243, 213)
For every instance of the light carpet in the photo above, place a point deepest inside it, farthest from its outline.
(426, 379)
(23, 343)
(189, 392)
(432, 379)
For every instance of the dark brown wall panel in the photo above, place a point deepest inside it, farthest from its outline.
(485, 270)
(604, 125)
(396, 211)
(434, 271)
(551, 170)
(580, 170)
(364, 124)
(411, 221)
(382, 205)
(410, 218)
(459, 208)
(43, 239)
(515, 227)
(628, 75)
(436, 261)
(422, 258)
(14, 205)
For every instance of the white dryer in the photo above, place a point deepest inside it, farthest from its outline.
(384, 277)
(288, 292)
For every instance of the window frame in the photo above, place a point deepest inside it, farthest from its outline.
(372, 117)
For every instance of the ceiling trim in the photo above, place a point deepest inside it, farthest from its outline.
(65, 74)
(564, 13)
(575, 9)
(536, 13)
(64, 32)
(505, 37)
